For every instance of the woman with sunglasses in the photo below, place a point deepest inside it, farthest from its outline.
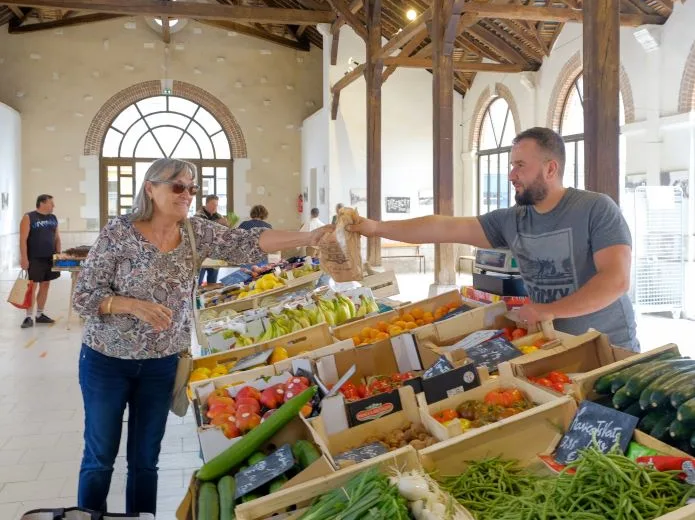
(135, 292)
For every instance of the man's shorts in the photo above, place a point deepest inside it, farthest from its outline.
(40, 270)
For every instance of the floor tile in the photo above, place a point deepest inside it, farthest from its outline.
(53, 470)
(27, 491)
(30, 441)
(10, 457)
(10, 511)
(20, 473)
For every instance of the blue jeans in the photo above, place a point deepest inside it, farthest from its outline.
(108, 384)
(212, 275)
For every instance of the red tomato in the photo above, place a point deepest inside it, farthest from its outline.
(508, 332)
(558, 377)
(544, 381)
(559, 387)
(518, 333)
(363, 391)
(494, 397)
(445, 415)
(516, 395)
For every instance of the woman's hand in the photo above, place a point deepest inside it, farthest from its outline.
(317, 234)
(155, 314)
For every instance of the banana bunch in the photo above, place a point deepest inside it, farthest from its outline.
(291, 320)
(369, 303)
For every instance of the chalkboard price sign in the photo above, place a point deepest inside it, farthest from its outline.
(493, 352)
(362, 453)
(397, 204)
(441, 366)
(607, 425)
(264, 471)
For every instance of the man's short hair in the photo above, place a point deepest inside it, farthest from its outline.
(259, 212)
(547, 140)
(314, 212)
(211, 197)
(42, 198)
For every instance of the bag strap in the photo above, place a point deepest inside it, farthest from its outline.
(196, 268)
(194, 249)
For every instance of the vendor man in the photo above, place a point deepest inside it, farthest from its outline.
(573, 246)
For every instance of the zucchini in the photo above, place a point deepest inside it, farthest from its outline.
(640, 381)
(684, 392)
(255, 458)
(621, 400)
(238, 452)
(276, 484)
(637, 370)
(635, 409)
(226, 488)
(648, 422)
(686, 412)
(678, 431)
(306, 453)
(604, 384)
(660, 430)
(661, 391)
(208, 502)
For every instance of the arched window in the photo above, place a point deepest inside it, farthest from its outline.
(572, 131)
(496, 135)
(163, 126)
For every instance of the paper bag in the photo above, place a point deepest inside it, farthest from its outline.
(21, 295)
(339, 251)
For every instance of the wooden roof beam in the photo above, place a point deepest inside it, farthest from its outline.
(187, 10)
(409, 48)
(497, 44)
(16, 27)
(350, 18)
(302, 45)
(413, 29)
(459, 66)
(348, 78)
(17, 11)
(355, 6)
(166, 30)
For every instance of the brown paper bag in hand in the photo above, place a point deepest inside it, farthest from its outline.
(339, 251)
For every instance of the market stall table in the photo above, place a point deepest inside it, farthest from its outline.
(74, 272)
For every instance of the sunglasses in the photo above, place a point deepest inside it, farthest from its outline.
(179, 188)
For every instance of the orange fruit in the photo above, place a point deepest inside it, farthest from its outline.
(395, 319)
(400, 324)
(410, 325)
(382, 326)
(417, 313)
(419, 323)
(374, 333)
(356, 340)
(407, 318)
(427, 315)
(382, 336)
(366, 333)
(428, 319)
(439, 314)
(453, 305)
(394, 330)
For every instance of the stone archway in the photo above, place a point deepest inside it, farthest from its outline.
(488, 96)
(686, 99)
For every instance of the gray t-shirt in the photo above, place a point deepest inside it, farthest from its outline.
(555, 251)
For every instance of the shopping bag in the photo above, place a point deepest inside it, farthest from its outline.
(179, 396)
(22, 293)
(77, 513)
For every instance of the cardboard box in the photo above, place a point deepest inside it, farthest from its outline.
(442, 432)
(587, 357)
(297, 342)
(295, 430)
(511, 302)
(523, 440)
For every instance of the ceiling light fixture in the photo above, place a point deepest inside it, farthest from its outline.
(411, 14)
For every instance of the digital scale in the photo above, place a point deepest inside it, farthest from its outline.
(497, 271)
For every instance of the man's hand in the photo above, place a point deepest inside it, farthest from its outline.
(317, 234)
(364, 226)
(155, 314)
(24, 263)
(534, 313)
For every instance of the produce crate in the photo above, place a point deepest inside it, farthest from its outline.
(295, 430)
(523, 440)
(382, 285)
(587, 358)
(300, 497)
(485, 297)
(542, 398)
(353, 328)
(307, 339)
(338, 443)
(206, 386)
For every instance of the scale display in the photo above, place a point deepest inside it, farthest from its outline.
(499, 260)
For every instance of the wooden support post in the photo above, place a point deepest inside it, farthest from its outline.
(601, 88)
(445, 18)
(374, 68)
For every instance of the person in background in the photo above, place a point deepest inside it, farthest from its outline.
(573, 246)
(311, 225)
(338, 207)
(259, 215)
(39, 240)
(209, 212)
(135, 292)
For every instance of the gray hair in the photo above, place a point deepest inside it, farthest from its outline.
(161, 170)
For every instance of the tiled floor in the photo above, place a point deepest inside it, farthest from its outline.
(41, 416)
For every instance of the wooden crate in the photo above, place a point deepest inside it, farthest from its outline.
(523, 440)
(587, 358)
(542, 398)
(382, 285)
(295, 430)
(297, 342)
(337, 443)
(353, 328)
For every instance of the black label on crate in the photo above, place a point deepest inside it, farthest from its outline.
(493, 352)
(264, 471)
(607, 425)
(439, 367)
(362, 453)
(260, 358)
(450, 383)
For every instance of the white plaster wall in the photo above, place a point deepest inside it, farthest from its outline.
(10, 185)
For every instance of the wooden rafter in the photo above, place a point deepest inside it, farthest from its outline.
(355, 6)
(17, 11)
(350, 18)
(517, 39)
(188, 10)
(302, 45)
(166, 30)
(334, 47)
(528, 35)
(343, 82)
(17, 27)
(405, 52)
(411, 30)
(497, 44)
(460, 66)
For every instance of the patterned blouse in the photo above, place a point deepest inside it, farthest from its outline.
(123, 263)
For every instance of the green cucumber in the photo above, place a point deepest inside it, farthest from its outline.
(660, 430)
(208, 502)
(684, 392)
(603, 385)
(226, 487)
(640, 381)
(635, 409)
(621, 400)
(233, 456)
(648, 422)
(686, 412)
(306, 453)
(661, 388)
(255, 458)
(625, 375)
(276, 484)
(679, 431)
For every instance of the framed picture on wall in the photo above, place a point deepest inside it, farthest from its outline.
(680, 178)
(397, 204)
(635, 180)
(358, 200)
(425, 197)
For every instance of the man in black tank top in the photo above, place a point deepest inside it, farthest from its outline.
(38, 241)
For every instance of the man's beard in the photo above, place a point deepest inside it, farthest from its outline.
(534, 193)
